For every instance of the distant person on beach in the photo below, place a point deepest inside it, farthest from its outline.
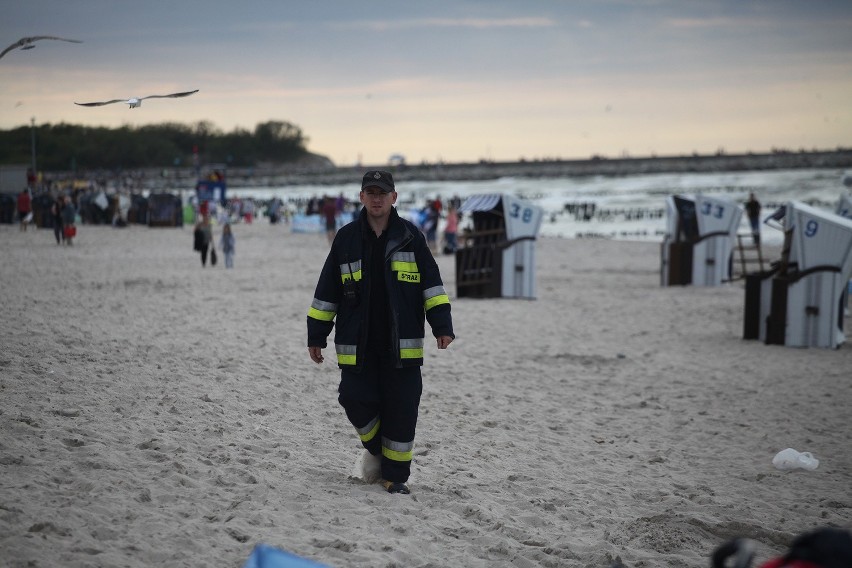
(204, 208)
(25, 208)
(381, 283)
(329, 213)
(56, 218)
(274, 210)
(430, 225)
(451, 230)
(202, 238)
(752, 208)
(69, 220)
(228, 245)
(248, 210)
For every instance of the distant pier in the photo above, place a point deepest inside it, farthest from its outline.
(330, 175)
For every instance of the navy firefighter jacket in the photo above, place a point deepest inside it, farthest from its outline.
(414, 288)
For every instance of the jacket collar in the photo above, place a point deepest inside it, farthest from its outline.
(397, 232)
(393, 221)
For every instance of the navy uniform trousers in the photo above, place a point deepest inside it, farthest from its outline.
(382, 403)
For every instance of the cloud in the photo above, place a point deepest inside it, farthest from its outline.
(478, 23)
(696, 23)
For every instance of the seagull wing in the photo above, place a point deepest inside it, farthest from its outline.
(36, 38)
(16, 45)
(29, 40)
(102, 103)
(172, 96)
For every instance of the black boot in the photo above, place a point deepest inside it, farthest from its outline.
(396, 487)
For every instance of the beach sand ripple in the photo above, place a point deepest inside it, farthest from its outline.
(157, 413)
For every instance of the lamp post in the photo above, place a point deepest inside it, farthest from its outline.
(32, 137)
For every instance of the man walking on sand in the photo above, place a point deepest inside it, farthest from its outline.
(380, 283)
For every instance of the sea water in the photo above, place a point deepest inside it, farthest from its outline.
(628, 207)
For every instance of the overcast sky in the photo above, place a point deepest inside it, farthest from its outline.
(449, 80)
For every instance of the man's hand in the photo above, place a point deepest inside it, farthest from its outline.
(444, 341)
(316, 354)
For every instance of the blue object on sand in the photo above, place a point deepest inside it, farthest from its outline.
(265, 556)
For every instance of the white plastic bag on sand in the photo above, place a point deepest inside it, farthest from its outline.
(788, 459)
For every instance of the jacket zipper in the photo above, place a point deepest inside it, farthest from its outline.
(393, 304)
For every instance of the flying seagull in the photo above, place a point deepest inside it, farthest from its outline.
(27, 43)
(137, 101)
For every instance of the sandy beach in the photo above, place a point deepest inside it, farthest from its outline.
(155, 413)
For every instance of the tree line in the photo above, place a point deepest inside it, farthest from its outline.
(73, 147)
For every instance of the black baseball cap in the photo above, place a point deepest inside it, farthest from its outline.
(378, 178)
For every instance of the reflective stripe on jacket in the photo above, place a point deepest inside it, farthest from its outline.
(415, 293)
